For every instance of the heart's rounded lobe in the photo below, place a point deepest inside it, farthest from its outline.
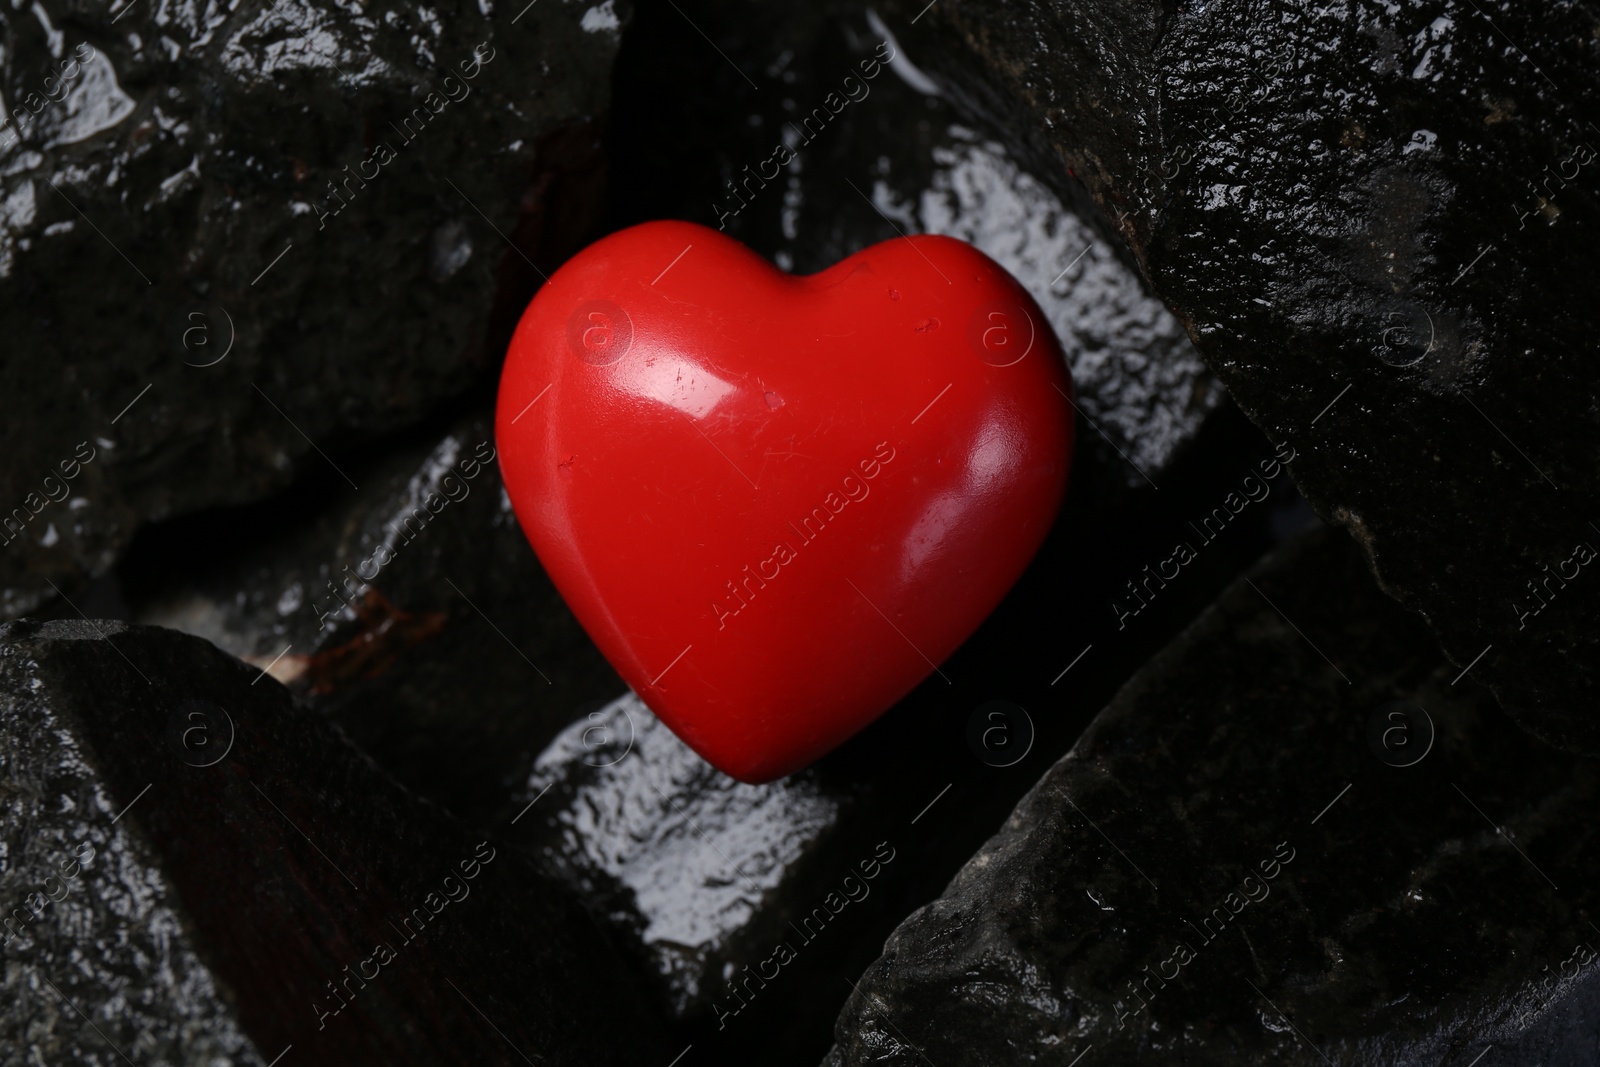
(777, 503)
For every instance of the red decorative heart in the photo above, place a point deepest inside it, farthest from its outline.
(777, 502)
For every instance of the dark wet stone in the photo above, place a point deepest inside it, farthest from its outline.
(626, 811)
(413, 613)
(182, 149)
(430, 688)
(449, 707)
(1382, 899)
(212, 857)
(877, 154)
(702, 877)
(1376, 223)
(705, 879)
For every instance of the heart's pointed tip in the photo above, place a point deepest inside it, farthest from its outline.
(756, 778)
(746, 765)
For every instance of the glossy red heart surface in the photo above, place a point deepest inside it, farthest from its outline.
(777, 503)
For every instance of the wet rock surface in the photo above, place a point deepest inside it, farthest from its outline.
(380, 576)
(697, 877)
(1256, 854)
(1376, 222)
(838, 148)
(236, 239)
(706, 883)
(413, 613)
(197, 870)
(625, 810)
(709, 883)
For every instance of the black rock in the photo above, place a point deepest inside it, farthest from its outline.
(198, 870)
(702, 877)
(427, 686)
(705, 880)
(1258, 855)
(235, 239)
(877, 154)
(703, 872)
(413, 613)
(1376, 223)
(700, 880)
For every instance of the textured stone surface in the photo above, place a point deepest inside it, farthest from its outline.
(1387, 200)
(235, 864)
(413, 613)
(622, 807)
(699, 880)
(1369, 913)
(702, 877)
(878, 155)
(149, 183)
